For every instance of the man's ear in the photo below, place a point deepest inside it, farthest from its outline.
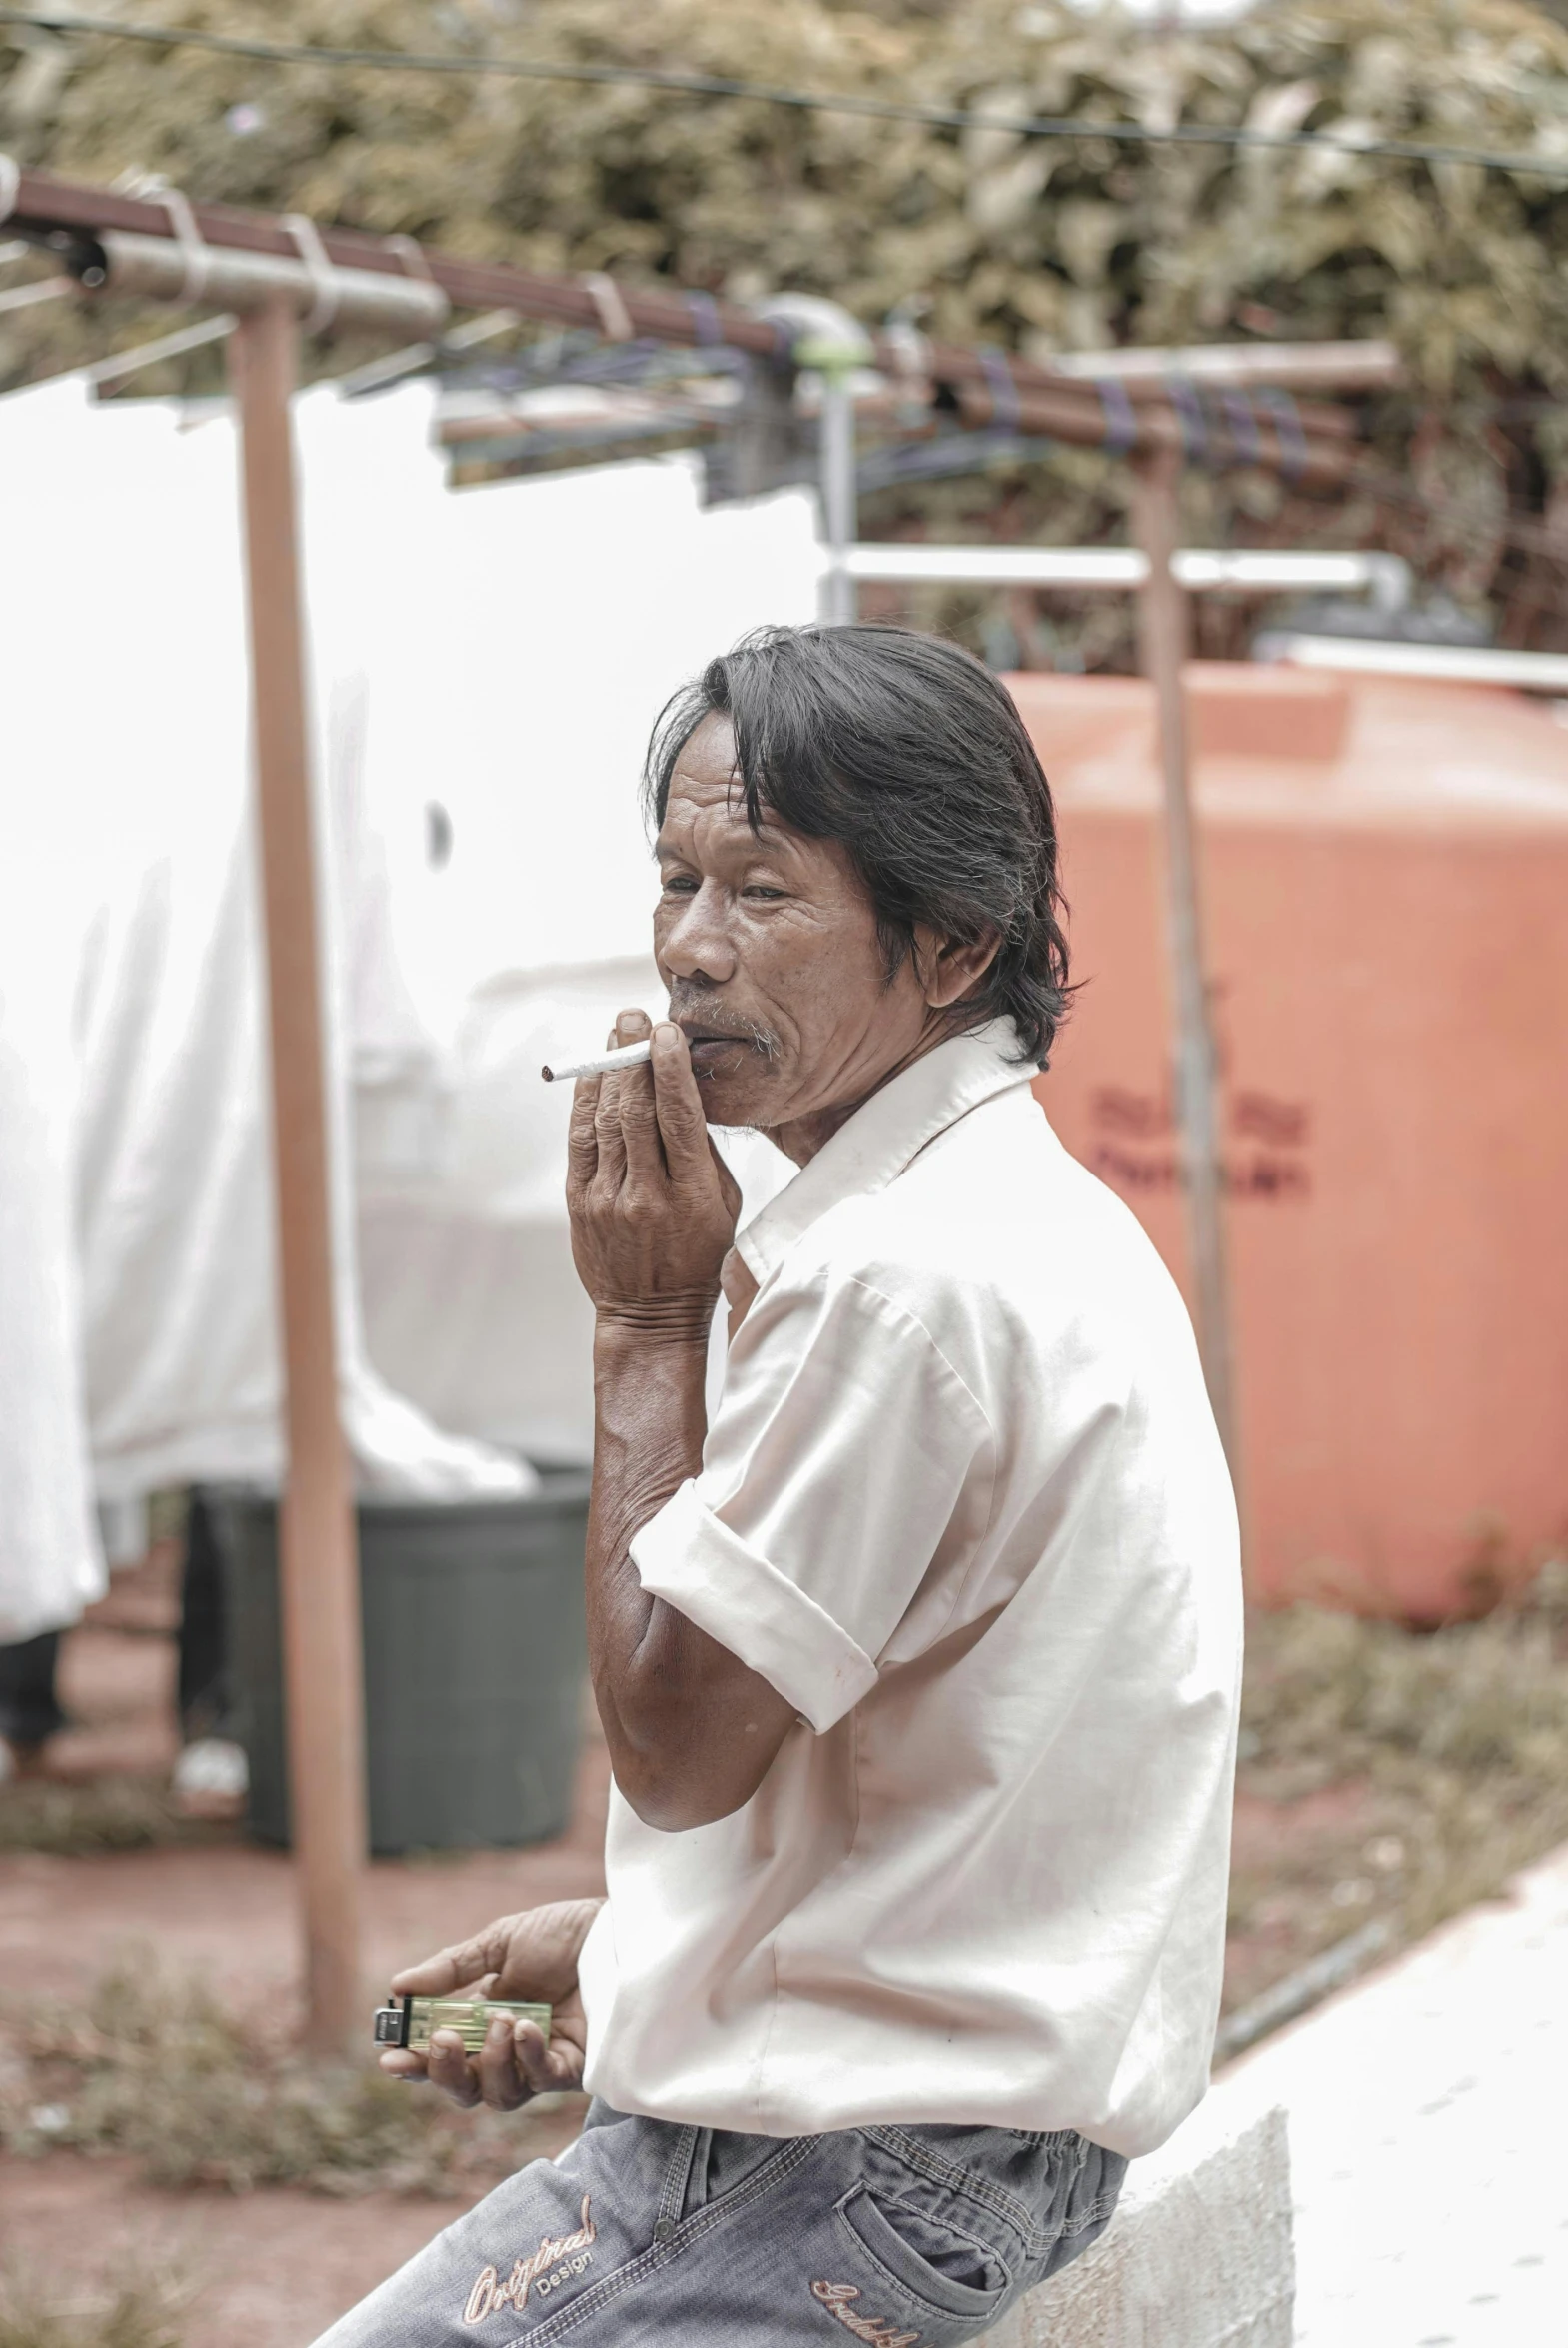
(950, 971)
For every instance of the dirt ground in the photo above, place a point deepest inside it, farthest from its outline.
(268, 2269)
(1319, 1849)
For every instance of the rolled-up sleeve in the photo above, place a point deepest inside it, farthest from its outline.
(834, 1480)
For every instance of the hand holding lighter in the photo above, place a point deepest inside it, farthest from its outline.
(408, 2021)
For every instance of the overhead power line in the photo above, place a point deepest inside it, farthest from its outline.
(708, 85)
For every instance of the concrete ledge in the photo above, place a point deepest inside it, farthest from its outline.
(1200, 2254)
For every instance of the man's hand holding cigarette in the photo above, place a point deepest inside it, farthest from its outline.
(652, 1205)
(652, 1208)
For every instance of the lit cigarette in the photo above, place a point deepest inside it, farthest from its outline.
(629, 1056)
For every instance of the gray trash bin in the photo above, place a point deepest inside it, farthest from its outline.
(475, 1653)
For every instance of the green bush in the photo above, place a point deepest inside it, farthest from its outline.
(985, 236)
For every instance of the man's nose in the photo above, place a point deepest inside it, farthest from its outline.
(696, 943)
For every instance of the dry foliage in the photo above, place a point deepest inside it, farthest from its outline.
(155, 2067)
(101, 1814)
(1393, 1772)
(1075, 241)
(1384, 1771)
(132, 2311)
(985, 236)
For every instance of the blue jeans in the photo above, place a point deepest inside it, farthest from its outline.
(646, 2231)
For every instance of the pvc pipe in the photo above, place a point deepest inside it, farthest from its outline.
(396, 364)
(1264, 571)
(1164, 630)
(45, 289)
(1256, 570)
(1457, 664)
(999, 566)
(669, 317)
(1355, 366)
(233, 279)
(166, 346)
(838, 498)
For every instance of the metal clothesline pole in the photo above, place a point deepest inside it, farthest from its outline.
(1164, 630)
(838, 498)
(318, 1555)
(1113, 568)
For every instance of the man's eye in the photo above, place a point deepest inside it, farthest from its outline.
(758, 888)
(678, 885)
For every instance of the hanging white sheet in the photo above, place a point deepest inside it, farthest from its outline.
(51, 1564)
(127, 699)
(499, 654)
(569, 609)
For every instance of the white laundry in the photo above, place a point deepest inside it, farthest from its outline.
(127, 694)
(51, 1563)
(571, 607)
(498, 653)
(471, 1302)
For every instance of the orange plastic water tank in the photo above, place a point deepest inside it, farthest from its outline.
(1385, 869)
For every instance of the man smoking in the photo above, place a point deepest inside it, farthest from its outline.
(918, 1665)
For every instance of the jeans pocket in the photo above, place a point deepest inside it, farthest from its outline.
(926, 2258)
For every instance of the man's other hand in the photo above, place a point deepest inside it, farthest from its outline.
(531, 1958)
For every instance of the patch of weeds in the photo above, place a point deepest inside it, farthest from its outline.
(154, 2066)
(102, 1814)
(167, 1511)
(132, 2311)
(1409, 1773)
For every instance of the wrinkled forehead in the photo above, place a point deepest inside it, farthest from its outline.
(705, 803)
(705, 773)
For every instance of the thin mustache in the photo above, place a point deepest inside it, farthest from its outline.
(751, 1032)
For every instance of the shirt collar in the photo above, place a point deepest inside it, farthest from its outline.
(885, 1133)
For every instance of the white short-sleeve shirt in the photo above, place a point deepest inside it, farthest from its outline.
(964, 1504)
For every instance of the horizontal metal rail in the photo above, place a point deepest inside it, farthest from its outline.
(1456, 664)
(166, 346)
(1069, 408)
(1339, 367)
(43, 289)
(1243, 569)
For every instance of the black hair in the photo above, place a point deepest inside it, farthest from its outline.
(913, 755)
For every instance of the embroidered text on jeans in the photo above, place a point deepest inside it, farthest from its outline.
(558, 2258)
(836, 2297)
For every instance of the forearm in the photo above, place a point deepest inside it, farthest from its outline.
(649, 1423)
(689, 1728)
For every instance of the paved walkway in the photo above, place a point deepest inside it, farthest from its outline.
(1430, 2137)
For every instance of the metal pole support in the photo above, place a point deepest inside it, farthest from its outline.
(319, 1551)
(1163, 618)
(838, 498)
